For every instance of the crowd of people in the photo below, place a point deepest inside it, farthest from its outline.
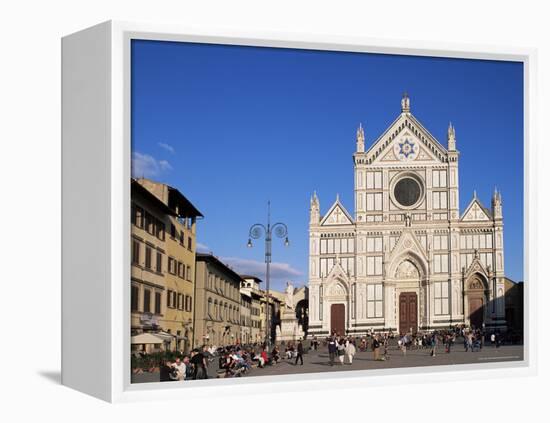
(233, 361)
(236, 360)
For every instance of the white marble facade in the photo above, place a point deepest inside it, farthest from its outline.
(407, 259)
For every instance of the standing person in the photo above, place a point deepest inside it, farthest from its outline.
(180, 369)
(493, 339)
(433, 344)
(275, 357)
(199, 364)
(188, 368)
(403, 345)
(350, 352)
(376, 347)
(332, 348)
(299, 353)
(341, 350)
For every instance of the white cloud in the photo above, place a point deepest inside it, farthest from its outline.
(278, 271)
(164, 165)
(167, 147)
(202, 248)
(144, 165)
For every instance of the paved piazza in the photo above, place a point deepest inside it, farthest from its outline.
(318, 361)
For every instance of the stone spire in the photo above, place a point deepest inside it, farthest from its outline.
(360, 139)
(314, 213)
(496, 204)
(451, 140)
(405, 103)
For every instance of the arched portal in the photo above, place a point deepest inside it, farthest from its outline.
(476, 300)
(407, 275)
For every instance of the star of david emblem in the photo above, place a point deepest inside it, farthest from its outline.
(406, 148)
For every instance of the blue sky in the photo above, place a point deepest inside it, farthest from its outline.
(233, 127)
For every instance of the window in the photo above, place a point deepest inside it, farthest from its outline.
(189, 276)
(149, 223)
(138, 218)
(374, 265)
(180, 301)
(374, 300)
(135, 252)
(441, 298)
(135, 298)
(159, 230)
(210, 307)
(148, 253)
(172, 231)
(158, 298)
(441, 263)
(189, 243)
(188, 303)
(374, 180)
(159, 262)
(374, 244)
(486, 259)
(439, 200)
(172, 266)
(374, 201)
(440, 242)
(181, 270)
(146, 301)
(489, 240)
(407, 191)
(439, 178)
(182, 237)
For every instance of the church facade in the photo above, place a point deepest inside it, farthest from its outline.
(407, 260)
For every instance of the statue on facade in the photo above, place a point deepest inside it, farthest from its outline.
(289, 300)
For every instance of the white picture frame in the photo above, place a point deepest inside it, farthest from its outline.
(96, 160)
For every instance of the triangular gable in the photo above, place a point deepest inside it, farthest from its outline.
(475, 212)
(408, 242)
(337, 215)
(476, 267)
(337, 272)
(404, 141)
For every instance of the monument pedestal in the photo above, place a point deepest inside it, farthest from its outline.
(290, 329)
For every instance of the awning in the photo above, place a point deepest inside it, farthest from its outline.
(146, 338)
(165, 336)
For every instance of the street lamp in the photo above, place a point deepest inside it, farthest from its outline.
(257, 231)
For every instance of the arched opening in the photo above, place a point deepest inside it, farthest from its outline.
(408, 274)
(476, 297)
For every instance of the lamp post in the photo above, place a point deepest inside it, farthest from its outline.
(257, 231)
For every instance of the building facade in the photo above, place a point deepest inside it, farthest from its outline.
(407, 259)
(163, 261)
(250, 286)
(246, 321)
(217, 302)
